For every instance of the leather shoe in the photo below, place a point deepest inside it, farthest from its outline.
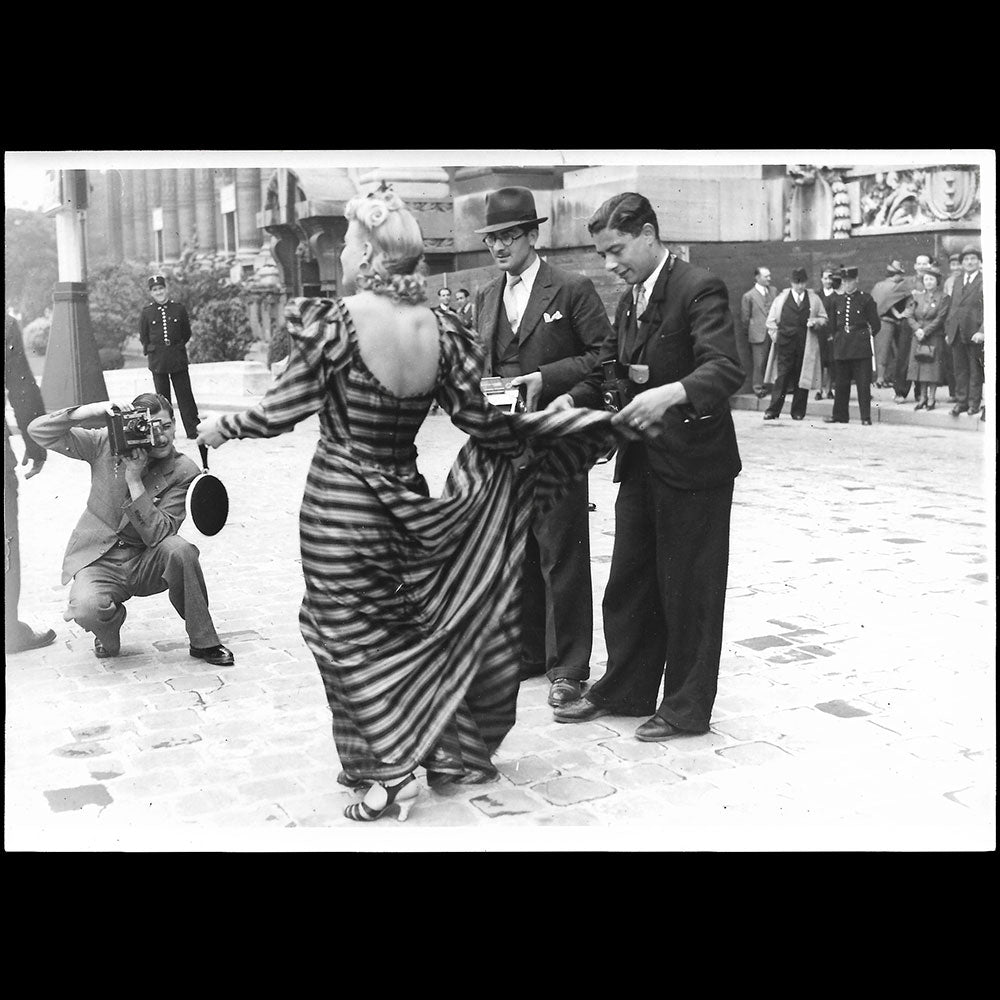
(974, 410)
(656, 730)
(794, 417)
(866, 423)
(563, 691)
(112, 645)
(833, 420)
(770, 416)
(219, 656)
(582, 710)
(958, 409)
(29, 639)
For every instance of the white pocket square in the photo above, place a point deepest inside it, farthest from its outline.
(551, 319)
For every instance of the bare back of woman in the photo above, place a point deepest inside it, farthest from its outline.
(398, 343)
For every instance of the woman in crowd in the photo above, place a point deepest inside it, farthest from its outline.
(926, 320)
(410, 601)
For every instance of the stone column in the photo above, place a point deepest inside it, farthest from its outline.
(247, 207)
(113, 182)
(128, 214)
(185, 206)
(168, 201)
(141, 219)
(204, 211)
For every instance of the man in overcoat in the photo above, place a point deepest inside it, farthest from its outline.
(963, 330)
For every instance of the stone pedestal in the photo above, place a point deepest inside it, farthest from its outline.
(73, 373)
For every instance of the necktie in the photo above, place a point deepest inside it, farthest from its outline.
(510, 302)
(640, 302)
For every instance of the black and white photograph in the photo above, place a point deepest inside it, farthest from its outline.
(500, 500)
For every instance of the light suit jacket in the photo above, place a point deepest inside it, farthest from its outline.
(754, 308)
(159, 512)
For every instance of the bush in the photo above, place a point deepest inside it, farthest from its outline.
(117, 293)
(220, 331)
(36, 335)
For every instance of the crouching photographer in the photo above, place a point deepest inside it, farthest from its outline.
(125, 544)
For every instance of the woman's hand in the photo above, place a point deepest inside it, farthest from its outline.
(210, 433)
(920, 334)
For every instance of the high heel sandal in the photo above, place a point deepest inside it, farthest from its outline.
(395, 795)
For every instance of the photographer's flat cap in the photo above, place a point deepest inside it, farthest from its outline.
(799, 276)
(850, 272)
(510, 207)
(972, 249)
(158, 281)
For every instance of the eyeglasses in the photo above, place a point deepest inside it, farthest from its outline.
(504, 239)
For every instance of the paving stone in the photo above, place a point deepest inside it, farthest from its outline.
(164, 742)
(753, 753)
(202, 682)
(179, 719)
(505, 802)
(570, 790)
(91, 732)
(526, 770)
(81, 750)
(817, 650)
(148, 786)
(271, 788)
(698, 764)
(640, 776)
(762, 642)
(790, 656)
(841, 709)
(632, 749)
(204, 801)
(71, 799)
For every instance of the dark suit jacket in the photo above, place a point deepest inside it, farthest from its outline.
(688, 329)
(22, 391)
(564, 346)
(164, 358)
(965, 310)
(111, 512)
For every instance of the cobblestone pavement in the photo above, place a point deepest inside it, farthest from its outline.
(856, 704)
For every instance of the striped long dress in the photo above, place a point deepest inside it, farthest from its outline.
(411, 601)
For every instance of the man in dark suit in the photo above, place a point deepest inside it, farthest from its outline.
(963, 330)
(673, 352)
(463, 307)
(830, 280)
(542, 328)
(754, 308)
(164, 330)
(26, 401)
(853, 321)
(125, 543)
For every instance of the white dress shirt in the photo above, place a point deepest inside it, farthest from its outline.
(650, 283)
(518, 295)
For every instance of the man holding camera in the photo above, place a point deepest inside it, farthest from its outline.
(542, 328)
(125, 543)
(673, 351)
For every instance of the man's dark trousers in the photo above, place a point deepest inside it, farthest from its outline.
(904, 338)
(859, 371)
(185, 398)
(556, 559)
(967, 359)
(790, 357)
(666, 539)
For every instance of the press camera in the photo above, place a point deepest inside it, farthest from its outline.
(133, 428)
(616, 392)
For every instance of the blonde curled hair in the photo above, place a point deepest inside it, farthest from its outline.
(396, 265)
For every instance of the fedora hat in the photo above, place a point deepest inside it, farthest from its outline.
(510, 207)
(895, 267)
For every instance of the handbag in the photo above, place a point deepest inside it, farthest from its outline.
(925, 352)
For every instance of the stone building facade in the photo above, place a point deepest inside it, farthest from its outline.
(283, 227)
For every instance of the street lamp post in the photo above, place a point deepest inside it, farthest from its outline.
(73, 372)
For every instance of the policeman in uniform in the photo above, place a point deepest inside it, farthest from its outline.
(854, 320)
(164, 330)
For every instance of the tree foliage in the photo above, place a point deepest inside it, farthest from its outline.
(31, 265)
(117, 295)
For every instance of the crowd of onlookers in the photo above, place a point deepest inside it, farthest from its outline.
(924, 330)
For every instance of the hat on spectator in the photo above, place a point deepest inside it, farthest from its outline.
(799, 275)
(510, 207)
(954, 256)
(850, 272)
(158, 281)
(895, 267)
(973, 249)
(935, 270)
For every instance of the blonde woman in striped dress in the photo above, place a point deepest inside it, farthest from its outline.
(410, 603)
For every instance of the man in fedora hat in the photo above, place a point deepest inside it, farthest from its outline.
(889, 293)
(963, 329)
(126, 544)
(795, 322)
(854, 321)
(542, 328)
(164, 330)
